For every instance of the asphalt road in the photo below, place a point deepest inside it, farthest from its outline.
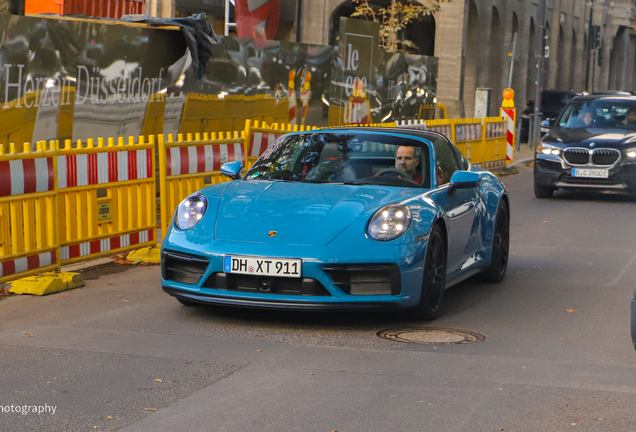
(120, 354)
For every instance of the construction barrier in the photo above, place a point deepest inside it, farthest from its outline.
(494, 143)
(106, 196)
(188, 165)
(28, 212)
(412, 124)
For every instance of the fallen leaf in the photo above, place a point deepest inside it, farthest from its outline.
(571, 310)
(567, 404)
(124, 300)
(501, 429)
(258, 350)
(158, 380)
(94, 427)
(562, 340)
(28, 334)
(150, 409)
(109, 417)
(545, 221)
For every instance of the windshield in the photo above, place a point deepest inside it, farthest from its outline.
(358, 158)
(603, 114)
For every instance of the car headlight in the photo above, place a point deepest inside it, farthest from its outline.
(190, 211)
(390, 222)
(548, 149)
(631, 153)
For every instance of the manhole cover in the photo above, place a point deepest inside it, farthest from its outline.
(431, 335)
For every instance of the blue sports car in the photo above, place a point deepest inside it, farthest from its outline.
(342, 218)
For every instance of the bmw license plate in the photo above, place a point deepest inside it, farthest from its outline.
(260, 266)
(590, 173)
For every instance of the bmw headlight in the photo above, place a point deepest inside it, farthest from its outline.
(389, 222)
(631, 153)
(548, 149)
(190, 211)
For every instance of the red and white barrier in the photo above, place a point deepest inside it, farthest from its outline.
(105, 167)
(23, 176)
(28, 263)
(444, 130)
(199, 159)
(259, 142)
(467, 132)
(509, 115)
(496, 130)
(105, 245)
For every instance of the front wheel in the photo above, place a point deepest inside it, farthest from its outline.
(434, 281)
(500, 245)
(542, 192)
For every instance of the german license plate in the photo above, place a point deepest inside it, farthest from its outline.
(262, 266)
(590, 173)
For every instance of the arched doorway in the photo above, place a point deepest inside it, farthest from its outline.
(561, 79)
(471, 60)
(421, 32)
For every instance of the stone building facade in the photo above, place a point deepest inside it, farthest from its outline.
(473, 40)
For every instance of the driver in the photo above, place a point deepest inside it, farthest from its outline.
(409, 160)
(630, 119)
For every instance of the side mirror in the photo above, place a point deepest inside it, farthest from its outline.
(233, 170)
(463, 180)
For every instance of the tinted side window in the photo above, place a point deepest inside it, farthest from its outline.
(446, 162)
(463, 162)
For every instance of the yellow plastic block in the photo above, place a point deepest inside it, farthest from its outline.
(48, 283)
(147, 255)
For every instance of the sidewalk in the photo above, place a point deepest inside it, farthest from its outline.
(522, 156)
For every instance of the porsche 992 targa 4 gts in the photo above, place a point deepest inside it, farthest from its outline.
(340, 219)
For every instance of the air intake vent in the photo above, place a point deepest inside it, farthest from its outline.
(182, 267)
(366, 279)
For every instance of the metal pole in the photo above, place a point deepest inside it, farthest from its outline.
(530, 130)
(593, 70)
(540, 56)
(512, 59)
(518, 134)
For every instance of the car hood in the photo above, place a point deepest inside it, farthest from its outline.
(612, 138)
(298, 213)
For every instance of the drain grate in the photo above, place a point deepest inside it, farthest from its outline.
(431, 336)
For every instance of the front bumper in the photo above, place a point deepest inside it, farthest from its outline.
(324, 284)
(554, 172)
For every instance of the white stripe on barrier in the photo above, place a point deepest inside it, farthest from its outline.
(192, 160)
(102, 168)
(41, 175)
(223, 154)
(82, 169)
(208, 151)
(122, 166)
(21, 265)
(175, 161)
(142, 164)
(256, 144)
(238, 151)
(17, 177)
(61, 172)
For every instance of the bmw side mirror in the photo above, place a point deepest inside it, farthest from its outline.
(463, 180)
(233, 170)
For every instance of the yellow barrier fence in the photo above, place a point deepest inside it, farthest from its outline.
(106, 197)
(468, 138)
(28, 212)
(188, 165)
(494, 143)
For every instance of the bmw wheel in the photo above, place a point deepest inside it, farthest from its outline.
(542, 192)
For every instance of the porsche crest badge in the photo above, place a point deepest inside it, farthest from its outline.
(271, 233)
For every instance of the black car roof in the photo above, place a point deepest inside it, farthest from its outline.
(608, 97)
(426, 134)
